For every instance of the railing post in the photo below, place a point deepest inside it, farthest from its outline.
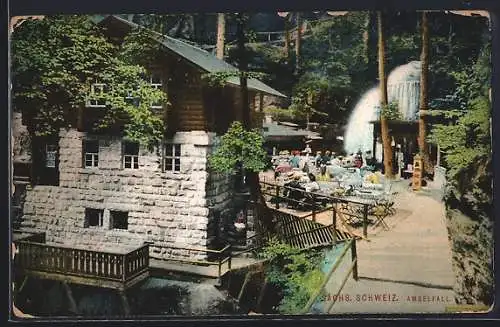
(124, 267)
(354, 257)
(277, 196)
(219, 279)
(334, 222)
(365, 220)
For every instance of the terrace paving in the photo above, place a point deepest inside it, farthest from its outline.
(411, 262)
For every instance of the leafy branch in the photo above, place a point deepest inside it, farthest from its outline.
(239, 148)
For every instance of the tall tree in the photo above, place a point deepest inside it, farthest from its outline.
(384, 126)
(241, 20)
(221, 31)
(56, 62)
(286, 49)
(424, 58)
(252, 175)
(298, 40)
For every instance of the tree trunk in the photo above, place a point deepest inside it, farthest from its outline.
(424, 58)
(243, 66)
(252, 178)
(384, 126)
(297, 43)
(221, 30)
(287, 38)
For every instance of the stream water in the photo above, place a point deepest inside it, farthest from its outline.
(154, 296)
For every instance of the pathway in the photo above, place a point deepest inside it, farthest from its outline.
(410, 263)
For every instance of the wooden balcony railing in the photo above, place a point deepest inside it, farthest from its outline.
(355, 212)
(119, 267)
(216, 257)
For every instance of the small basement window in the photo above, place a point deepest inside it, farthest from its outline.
(119, 219)
(90, 153)
(130, 155)
(93, 217)
(172, 159)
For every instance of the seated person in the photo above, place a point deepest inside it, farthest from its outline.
(312, 186)
(358, 161)
(294, 191)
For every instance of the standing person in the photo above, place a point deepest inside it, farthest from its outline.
(295, 160)
(317, 159)
(368, 158)
(401, 161)
(307, 150)
(326, 158)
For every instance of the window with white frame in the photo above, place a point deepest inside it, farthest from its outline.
(96, 98)
(93, 217)
(172, 157)
(130, 155)
(157, 83)
(90, 153)
(50, 155)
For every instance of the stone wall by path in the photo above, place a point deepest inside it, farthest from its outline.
(166, 208)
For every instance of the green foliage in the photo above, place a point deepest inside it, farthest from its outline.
(295, 271)
(465, 140)
(219, 79)
(391, 111)
(239, 148)
(56, 60)
(334, 66)
(281, 114)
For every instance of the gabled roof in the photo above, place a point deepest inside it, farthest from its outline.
(277, 129)
(201, 58)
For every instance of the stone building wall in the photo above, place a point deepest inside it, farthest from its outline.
(20, 139)
(165, 208)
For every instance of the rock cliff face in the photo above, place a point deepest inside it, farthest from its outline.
(472, 248)
(470, 228)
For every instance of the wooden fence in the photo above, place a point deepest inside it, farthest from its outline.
(214, 257)
(119, 267)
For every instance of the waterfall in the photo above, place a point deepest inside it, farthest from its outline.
(359, 131)
(403, 87)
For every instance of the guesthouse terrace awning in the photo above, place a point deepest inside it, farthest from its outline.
(276, 131)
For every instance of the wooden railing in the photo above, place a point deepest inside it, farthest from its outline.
(106, 265)
(214, 257)
(297, 231)
(354, 211)
(353, 269)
